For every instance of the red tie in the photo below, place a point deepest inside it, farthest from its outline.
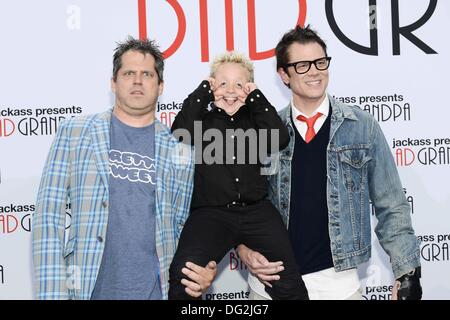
(310, 133)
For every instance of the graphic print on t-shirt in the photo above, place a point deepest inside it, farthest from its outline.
(131, 166)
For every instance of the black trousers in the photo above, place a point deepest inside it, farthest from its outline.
(209, 233)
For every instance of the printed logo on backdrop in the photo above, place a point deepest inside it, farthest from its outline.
(2, 274)
(17, 218)
(396, 33)
(435, 247)
(374, 288)
(384, 108)
(421, 151)
(383, 292)
(237, 295)
(406, 31)
(168, 111)
(235, 264)
(33, 122)
(228, 25)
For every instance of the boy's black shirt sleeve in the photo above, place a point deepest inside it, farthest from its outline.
(265, 116)
(194, 108)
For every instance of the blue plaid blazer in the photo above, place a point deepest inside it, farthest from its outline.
(66, 264)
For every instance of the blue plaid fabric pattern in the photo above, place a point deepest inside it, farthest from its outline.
(66, 262)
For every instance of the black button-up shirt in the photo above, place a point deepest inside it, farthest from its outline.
(228, 170)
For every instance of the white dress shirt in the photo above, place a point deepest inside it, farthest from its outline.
(301, 126)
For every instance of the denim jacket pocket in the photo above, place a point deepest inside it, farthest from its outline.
(354, 162)
(354, 166)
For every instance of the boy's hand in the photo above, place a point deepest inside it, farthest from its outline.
(213, 85)
(247, 89)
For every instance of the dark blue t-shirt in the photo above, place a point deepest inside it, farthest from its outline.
(130, 268)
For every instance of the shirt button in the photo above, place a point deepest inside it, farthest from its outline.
(204, 86)
(100, 239)
(257, 95)
(267, 109)
(231, 119)
(209, 91)
(237, 179)
(104, 204)
(234, 202)
(251, 100)
(218, 109)
(198, 100)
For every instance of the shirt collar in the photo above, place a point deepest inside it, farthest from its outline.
(324, 108)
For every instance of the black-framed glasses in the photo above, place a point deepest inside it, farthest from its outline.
(302, 67)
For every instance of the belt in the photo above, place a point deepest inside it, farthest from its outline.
(236, 204)
(240, 204)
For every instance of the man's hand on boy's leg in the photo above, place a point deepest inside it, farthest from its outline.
(258, 265)
(200, 278)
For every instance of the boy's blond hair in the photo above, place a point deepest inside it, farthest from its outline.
(233, 57)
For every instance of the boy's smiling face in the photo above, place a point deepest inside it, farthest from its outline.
(230, 80)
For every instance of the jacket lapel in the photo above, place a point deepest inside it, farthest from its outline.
(100, 132)
(159, 165)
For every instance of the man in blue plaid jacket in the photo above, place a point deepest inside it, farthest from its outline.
(129, 184)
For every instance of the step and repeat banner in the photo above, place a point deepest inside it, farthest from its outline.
(390, 57)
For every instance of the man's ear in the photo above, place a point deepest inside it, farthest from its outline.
(113, 85)
(284, 76)
(161, 88)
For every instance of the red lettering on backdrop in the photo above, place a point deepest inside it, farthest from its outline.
(167, 118)
(7, 127)
(204, 27)
(204, 44)
(253, 54)
(142, 13)
(404, 156)
(5, 223)
(229, 27)
(181, 18)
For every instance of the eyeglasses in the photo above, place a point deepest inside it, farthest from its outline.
(302, 67)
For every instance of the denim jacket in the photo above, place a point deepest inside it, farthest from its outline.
(360, 169)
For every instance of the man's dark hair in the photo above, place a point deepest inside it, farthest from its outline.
(299, 35)
(143, 46)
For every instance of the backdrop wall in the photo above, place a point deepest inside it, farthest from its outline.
(390, 57)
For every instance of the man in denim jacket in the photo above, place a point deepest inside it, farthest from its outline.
(337, 161)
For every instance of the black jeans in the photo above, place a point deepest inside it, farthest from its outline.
(209, 233)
